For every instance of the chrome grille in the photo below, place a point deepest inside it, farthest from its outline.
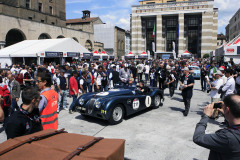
(91, 106)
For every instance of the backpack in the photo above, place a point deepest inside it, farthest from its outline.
(4, 92)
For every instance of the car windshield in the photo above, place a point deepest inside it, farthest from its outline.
(194, 68)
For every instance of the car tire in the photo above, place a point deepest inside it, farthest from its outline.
(157, 101)
(117, 115)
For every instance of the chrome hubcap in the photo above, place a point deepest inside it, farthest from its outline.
(117, 114)
(157, 100)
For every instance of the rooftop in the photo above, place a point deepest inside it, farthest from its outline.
(80, 20)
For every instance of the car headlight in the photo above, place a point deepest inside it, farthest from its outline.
(97, 104)
(81, 101)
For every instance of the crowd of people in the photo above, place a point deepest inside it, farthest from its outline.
(44, 88)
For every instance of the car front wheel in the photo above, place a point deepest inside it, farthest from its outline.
(157, 101)
(116, 115)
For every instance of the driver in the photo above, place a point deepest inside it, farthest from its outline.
(142, 87)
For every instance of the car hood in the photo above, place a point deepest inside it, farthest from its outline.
(114, 92)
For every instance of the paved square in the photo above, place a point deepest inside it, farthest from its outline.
(155, 134)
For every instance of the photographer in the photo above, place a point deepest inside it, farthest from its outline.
(225, 143)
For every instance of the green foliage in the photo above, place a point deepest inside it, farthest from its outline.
(206, 56)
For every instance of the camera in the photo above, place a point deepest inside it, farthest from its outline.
(217, 105)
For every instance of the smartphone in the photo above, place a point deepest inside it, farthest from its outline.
(217, 105)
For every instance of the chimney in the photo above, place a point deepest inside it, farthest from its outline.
(86, 14)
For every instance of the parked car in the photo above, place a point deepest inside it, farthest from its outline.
(196, 72)
(116, 104)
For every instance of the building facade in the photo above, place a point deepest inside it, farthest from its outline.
(161, 26)
(36, 19)
(221, 39)
(234, 26)
(127, 42)
(113, 38)
(86, 23)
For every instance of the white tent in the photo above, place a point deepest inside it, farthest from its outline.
(130, 56)
(38, 48)
(104, 55)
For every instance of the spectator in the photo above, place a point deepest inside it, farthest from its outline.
(27, 119)
(224, 144)
(187, 83)
(73, 90)
(98, 79)
(215, 86)
(49, 101)
(62, 87)
(15, 90)
(229, 87)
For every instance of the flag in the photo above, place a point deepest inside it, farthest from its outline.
(153, 35)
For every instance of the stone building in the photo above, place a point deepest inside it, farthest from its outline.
(86, 23)
(233, 28)
(37, 19)
(221, 39)
(113, 38)
(127, 42)
(189, 24)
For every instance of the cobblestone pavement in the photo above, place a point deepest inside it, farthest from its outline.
(155, 134)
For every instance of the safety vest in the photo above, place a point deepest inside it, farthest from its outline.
(49, 114)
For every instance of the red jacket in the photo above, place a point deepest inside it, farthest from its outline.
(73, 84)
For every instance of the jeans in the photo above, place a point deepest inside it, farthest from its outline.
(62, 98)
(152, 82)
(105, 88)
(89, 87)
(14, 106)
(203, 83)
(146, 77)
(171, 90)
(72, 106)
(139, 77)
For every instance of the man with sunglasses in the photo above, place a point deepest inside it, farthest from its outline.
(225, 143)
(49, 102)
(27, 78)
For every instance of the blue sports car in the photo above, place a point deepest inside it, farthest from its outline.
(116, 104)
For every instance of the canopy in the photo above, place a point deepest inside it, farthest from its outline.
(143, 55)
(34, 48)
(130, 56)
(104, 55)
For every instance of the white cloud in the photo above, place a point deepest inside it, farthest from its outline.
(78, 1)
(226, 9)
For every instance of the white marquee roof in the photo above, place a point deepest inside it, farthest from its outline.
(33, 48)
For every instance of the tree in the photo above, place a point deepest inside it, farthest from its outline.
(206, 56)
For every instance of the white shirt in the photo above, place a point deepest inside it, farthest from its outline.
(217, 84)
(147, 69)
(211, 73)
(238, 80)
(23, 71)
(98, 78)
(229, 86)
(140, 68)
(224, 79)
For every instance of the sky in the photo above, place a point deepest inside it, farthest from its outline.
(118, 12)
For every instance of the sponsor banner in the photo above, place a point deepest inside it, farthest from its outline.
(142, 56)
(96, 57)
(238, 50)
(231, 50)
(166, 56)
(53, 54)
(105, 57)
(111, 57)
(73, 54)
(86, 56)
(129, 57)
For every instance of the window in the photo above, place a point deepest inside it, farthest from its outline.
(51, 10)
(28, 4)
(40, 7)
